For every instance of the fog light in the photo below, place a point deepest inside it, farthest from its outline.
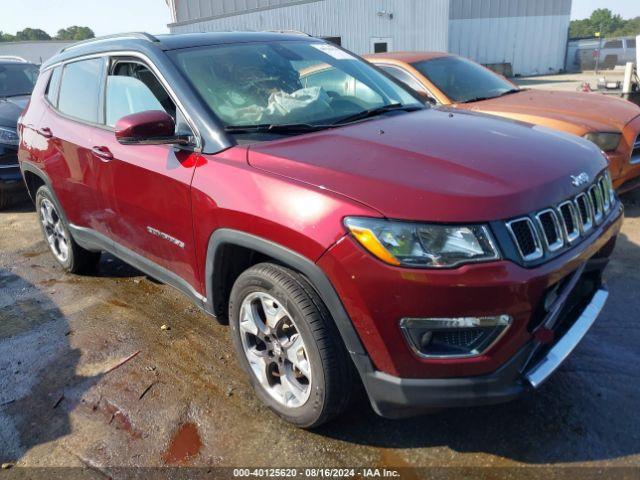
(453, 337)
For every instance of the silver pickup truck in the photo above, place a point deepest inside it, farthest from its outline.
(615, 51)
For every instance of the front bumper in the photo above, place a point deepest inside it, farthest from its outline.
(376, 296)
(395, 397)
(11, 181)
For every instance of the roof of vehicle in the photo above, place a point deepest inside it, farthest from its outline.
(13, 59)
(407, 57)
(140, 41)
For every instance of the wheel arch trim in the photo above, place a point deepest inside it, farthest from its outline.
(29, 167)
(289, 258)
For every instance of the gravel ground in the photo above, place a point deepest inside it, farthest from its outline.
(89, 379)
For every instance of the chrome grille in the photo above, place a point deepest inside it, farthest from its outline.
(550, 230)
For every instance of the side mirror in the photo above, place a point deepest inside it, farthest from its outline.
(153, 127)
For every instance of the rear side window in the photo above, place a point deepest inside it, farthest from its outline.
(53, 86)
(80, 89)
(404, 77)
(631, 43)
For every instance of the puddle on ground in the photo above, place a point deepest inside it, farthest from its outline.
(185, 444)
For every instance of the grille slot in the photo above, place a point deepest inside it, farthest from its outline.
(550, 227)
(585, 212)
(570, 221)
(548, 231)
(526, 238)
(597, 203)
(606, 196)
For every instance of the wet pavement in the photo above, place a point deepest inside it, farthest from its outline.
(88, 378)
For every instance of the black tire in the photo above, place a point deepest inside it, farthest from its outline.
(78, 260)
(333, 374)
(610, 62)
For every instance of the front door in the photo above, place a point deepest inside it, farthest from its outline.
(148, 195)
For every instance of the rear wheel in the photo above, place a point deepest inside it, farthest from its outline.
(289, 346)
(610, 62)
(66, 251)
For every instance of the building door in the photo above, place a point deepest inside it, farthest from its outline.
(381, 44)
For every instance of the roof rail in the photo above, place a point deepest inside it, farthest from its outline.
(294, 32)
(131, 35)
(13, 58)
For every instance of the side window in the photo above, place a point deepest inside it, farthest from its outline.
(403, 77)
(613, 44)
(127, 95)
(80, 89)
(631, 43)
(133, 88)
(339, 84)
(53, 86)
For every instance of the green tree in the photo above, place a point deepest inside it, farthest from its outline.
(6, 37)
(607, 23)
(75, 33)
(631, 28)
(32, 34)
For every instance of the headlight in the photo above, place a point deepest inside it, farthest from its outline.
(606, 141)
(8, 137)
(422, 245)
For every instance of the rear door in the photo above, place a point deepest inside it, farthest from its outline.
(69, 128)
(148, 192)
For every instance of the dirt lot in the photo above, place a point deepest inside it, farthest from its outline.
(66, 398)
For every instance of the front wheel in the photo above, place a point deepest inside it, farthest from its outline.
(289, 346)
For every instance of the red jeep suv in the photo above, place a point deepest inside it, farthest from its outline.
(348, 234)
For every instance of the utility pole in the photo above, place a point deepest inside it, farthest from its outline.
(599, 49)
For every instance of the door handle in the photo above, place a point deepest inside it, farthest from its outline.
(45, 132)
(103, 153)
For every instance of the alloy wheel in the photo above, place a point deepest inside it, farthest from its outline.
(54, 230)
(275, 349)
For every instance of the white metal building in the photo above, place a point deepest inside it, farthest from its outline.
(529, 36)
(33, 51)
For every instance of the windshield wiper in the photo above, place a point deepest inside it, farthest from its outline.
(275, 128)
(480, 99)
(373, 112)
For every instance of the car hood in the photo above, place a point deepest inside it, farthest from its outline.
(437, 165)
(586, 111)
(11, 108)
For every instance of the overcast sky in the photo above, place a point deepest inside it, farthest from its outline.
(113, 16)
(626, 8)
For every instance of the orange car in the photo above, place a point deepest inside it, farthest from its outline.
(611, 123)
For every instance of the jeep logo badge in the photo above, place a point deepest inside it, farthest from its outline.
(580, 180)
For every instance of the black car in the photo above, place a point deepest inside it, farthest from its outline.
(17, 79)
